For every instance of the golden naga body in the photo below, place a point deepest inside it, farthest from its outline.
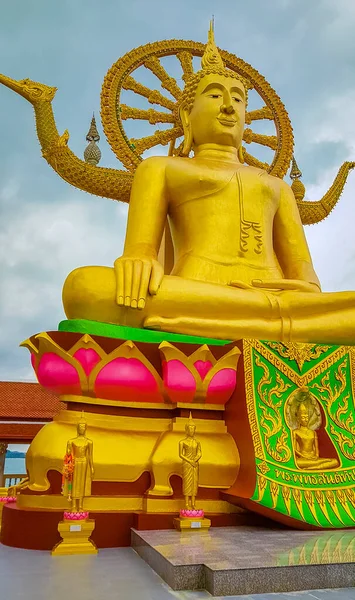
(80, 449)
(241, 266)
(190, 454)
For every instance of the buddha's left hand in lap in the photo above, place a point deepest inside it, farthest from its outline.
(278, 285)
(287, 284)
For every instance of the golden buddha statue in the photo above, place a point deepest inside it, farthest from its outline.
(305, 438)
(80, 455)
(190, 454)
(242, 264)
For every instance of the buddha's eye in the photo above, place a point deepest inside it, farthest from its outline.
(215, 95)
(237, 99)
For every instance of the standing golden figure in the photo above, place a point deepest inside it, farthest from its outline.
(190, 454)
(78, 468)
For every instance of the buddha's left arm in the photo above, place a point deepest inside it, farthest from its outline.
(316, 447)
(290, 242)
(91, 460)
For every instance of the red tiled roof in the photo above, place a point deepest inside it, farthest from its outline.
(14, 433)
(27, 401)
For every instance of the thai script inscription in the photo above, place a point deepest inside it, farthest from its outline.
(315, 478)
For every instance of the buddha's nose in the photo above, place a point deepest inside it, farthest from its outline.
(227, 108)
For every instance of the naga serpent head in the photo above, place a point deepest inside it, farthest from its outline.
(30, 90)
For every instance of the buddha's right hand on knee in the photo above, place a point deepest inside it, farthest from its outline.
(135, 277)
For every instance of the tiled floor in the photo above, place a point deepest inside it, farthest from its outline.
(249, 560)
(117, 574)
(248, 547)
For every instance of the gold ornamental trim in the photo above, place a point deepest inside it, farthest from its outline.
(123, 503)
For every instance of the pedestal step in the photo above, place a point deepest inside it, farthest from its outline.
(249, 560)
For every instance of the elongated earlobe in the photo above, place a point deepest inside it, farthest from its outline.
(185, 120)
(241, 154)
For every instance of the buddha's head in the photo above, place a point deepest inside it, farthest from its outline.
(81, 428)
(190, 427)
(212, 106)
(303, 415)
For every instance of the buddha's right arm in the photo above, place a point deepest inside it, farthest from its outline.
(138, 270)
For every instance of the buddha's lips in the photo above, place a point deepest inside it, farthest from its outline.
(228, 122)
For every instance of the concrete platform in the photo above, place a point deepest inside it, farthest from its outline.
(247, 560)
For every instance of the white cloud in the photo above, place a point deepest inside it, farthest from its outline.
(335, 123)
(332, 241)
(39, 245)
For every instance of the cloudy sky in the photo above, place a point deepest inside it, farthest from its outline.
(304, 48)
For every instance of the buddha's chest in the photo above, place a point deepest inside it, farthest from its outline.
(79, 448)
(199, 190)
(305, 438)
(190, 447)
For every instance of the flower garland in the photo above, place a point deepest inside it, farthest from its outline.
(67, 474)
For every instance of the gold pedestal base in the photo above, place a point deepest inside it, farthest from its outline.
(75, 538)
(184, 523)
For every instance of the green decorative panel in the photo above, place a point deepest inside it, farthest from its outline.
(302, 415)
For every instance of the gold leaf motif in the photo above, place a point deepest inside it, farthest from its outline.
(286, 495)
(298, 498)
(308, 496)
(271, 401)
(263, 468)
(261, 487)
(320, 497)
(300, 353)
(274, 489)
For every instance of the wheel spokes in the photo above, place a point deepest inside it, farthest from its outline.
(250, 136)
(159, 137)
(153, 96)
(254, 162)
(258, 114)
(167, 82)
(185, 59)
(150, 115)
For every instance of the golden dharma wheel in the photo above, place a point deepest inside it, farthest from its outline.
(122, 76)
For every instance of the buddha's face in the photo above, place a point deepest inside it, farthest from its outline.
(190, 430)
(218, 112)
(81, 428)
(303, 417)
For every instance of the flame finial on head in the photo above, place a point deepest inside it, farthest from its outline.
(82, 419)
(211, 57)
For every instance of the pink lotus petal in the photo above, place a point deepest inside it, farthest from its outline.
(88, 358)
(221, 386)
(189, 513)
(202, 367)
(129, 380)
(179, 381)
(75, 516)
(58, 375)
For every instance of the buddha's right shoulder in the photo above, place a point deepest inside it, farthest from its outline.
(153, 163)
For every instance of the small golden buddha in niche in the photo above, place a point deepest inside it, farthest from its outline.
(242, 267)
(190, 454)
(304, 418)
